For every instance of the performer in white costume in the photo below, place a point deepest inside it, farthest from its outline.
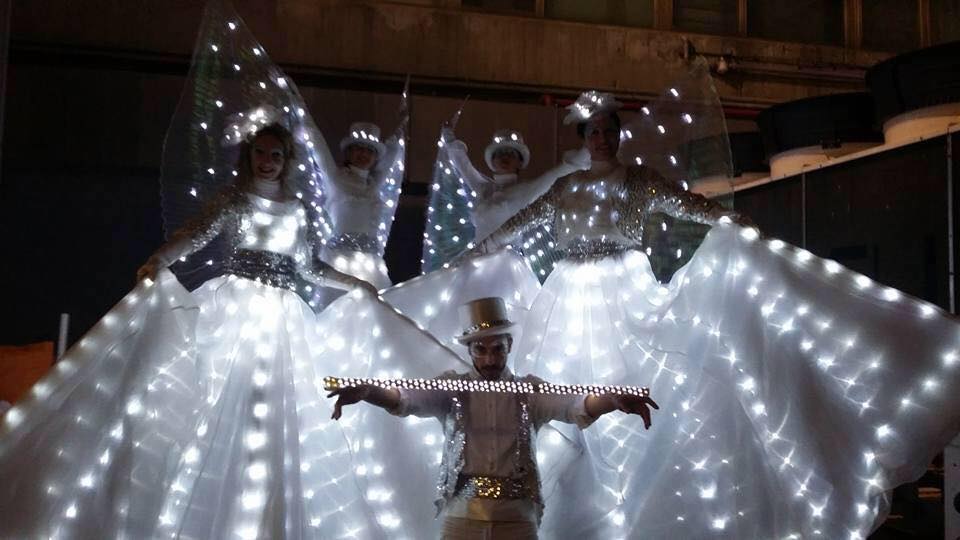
(504, 193)
(361, 197)
(801, 393)
(201, 414)
(795, 393)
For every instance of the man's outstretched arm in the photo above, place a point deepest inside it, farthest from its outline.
(385, 398)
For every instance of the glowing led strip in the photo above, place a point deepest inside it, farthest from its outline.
(506, 387)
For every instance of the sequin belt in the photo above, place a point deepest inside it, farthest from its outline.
(266, 267)
(361, 242)
(586, 250)
(492, 487)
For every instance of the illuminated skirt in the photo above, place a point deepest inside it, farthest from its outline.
(794, 394)
(202, 415)
(433, 300)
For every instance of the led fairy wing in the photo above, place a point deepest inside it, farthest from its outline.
(458, 217)
(390, 173)
(449, 228)
(540, 249)
(232, 90)
(682, 134)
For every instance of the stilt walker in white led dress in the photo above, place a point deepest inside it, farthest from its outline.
(361, 198)
(200, 414)
(795, 393)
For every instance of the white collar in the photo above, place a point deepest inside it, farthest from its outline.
(268, 189)
(362, 173)
(504, 179)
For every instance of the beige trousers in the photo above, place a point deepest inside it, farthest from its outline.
(472, 529)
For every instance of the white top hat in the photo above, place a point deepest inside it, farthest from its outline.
(483, 317)
(507, 138)
(364, 134)
(589, 104)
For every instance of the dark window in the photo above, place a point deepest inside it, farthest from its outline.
(944, 20)
(804, 21)
(525, 6)
(706, 16)
(617, 12)
(890, 25)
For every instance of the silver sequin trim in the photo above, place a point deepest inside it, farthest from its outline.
(265, 267)
(588, 250)
(363, 243)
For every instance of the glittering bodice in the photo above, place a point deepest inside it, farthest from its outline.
(605, 208)
(587, 211)
(277, 227)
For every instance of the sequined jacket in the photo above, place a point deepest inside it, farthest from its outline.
(453, 410)
(620, 208)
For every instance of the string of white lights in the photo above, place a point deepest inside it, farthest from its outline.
(506, 387)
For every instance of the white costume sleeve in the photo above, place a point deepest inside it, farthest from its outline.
(457, 151)
(315, 270)
(424, 403)
(385, 161)
(527, 192)
(196, 234)
(567, 409)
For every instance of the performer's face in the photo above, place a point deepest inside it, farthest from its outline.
(602, 138)
(266, 157)
(360, 156)
(506, 161)
(489, 355)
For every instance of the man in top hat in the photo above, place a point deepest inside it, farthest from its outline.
(490, 486)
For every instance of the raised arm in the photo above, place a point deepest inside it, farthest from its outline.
(325, 160)
(457, 152)
(389, 157)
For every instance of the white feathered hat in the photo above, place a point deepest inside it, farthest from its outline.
(365, 134)
(507, 138)
(589, 104)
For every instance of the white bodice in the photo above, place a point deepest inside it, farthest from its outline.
(354, 204)
(278, 227)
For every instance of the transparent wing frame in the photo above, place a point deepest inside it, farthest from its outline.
(683, 135)
(449, 228)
